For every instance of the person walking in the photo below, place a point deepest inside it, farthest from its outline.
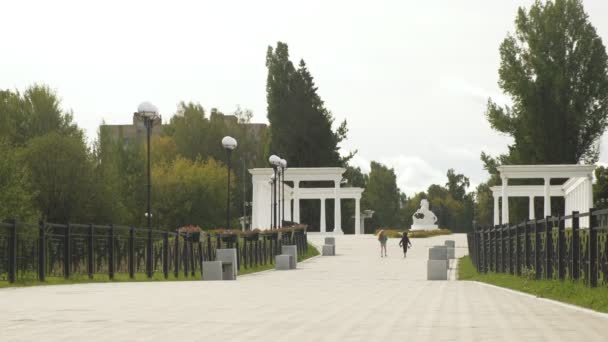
(405, 243)
(382, 237)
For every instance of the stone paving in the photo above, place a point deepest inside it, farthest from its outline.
(354, 296)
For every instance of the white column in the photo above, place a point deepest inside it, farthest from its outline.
(357, 217)
(296, 201)
(337, 210)
(505, 201)
(496, 211)
(322, 223)
(547, 196)
(531, 215)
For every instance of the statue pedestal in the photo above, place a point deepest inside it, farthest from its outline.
(424, 227)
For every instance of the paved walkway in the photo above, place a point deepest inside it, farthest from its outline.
(355, 296)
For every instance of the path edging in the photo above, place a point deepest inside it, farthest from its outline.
(566, 305)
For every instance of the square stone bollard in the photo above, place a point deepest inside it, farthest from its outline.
(330, 241)
(228, 258)
(329, 250)
(293, 251)
(438, 253)
(451, 245)
(212, 270)
(283, 262)
(436, 270)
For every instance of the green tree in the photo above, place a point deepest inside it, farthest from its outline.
(600, 188)
(16, 191)
(300, 125)
(34, 113)
(61, 169)
(383, 196)
(190, 192)
(554, 69)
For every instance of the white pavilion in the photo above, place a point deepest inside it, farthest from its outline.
(577, 190)
(262, 189)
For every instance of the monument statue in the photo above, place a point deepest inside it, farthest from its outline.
(424, 218)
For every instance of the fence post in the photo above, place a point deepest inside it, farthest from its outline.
(593, 257)
(166, 254)
(548, 247)
(41, 252)
(495, 245)
(111, 252)
(176, 256)
(561, 249)
(517, 251)
(185, 254)
(131, 253)
(90, 253)
(536, 251)
(149, 254)
(12, 252)
(67, 251)
(503, 260)
(510, 247)
(575, 247)
(527, 246)
(238, 254)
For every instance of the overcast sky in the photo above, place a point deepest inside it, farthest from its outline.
(411, 77)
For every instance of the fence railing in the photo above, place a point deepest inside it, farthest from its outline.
(39, 251)
(546, 248)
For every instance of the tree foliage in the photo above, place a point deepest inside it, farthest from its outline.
(300, 124)
(16, 191)
(554, 68)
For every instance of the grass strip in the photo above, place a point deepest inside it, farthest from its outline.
(138, 277)
(571, 292)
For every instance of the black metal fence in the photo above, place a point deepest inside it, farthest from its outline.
(38, 251)
(546, 248)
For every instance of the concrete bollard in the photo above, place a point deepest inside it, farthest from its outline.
(228, 255)
(451, 245)
(330, 241)
(436, 270)
(328, 250)
(212, 270)
(293, 251)
(283, 262)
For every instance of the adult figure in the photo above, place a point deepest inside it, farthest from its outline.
(382, 237)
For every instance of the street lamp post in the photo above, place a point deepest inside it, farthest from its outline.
(149, 113)
(270, 182)
(275, 161)
(283, 167)
(229, 144)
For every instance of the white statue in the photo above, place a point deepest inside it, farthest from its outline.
(424, 218)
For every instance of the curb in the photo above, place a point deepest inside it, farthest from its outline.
(562, 304)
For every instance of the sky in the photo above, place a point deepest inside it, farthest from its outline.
(412, 78)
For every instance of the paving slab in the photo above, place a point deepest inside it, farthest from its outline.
(355, 296)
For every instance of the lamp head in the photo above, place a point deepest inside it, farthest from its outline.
(148, 110)
(274, 160)
(229, 143)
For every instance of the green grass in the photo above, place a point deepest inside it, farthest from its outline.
(139, 277)
(415, 234)
(564, 291)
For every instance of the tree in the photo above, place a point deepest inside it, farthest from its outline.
(600, 188)
(554, 70)
(16, 191)
(61, 171)
(383, 196)
(457, 185)
(190, 192)
(300, 125)
(33, 114)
